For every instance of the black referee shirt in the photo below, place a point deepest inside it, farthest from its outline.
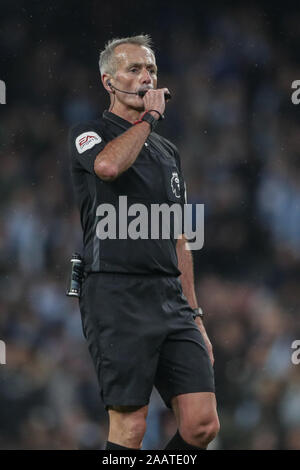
(154, 178)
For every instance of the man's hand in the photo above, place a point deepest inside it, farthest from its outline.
(206, 339)
(155, 99)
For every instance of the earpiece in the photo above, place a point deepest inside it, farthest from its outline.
(108, 83)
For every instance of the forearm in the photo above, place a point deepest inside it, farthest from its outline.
(120, 153)
(185, 265)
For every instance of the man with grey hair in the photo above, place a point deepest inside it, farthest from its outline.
(138, 305)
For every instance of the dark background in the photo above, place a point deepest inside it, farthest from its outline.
(230, 70)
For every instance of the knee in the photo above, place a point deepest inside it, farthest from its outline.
(199, 433)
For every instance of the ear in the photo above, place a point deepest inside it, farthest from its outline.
(106, 78)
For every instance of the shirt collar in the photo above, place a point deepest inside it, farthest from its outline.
(117, 120)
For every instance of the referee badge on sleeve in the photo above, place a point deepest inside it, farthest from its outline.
(87, 140)
(175, 184)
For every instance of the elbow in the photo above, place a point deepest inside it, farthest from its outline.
(106, 171)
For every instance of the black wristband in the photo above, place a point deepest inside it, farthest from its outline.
(150, 119)
(161, 116)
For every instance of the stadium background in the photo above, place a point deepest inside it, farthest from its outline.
(230, 72)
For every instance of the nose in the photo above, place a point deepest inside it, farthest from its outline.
(146, 77)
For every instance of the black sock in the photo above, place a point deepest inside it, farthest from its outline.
(112, 446)
(177, 443)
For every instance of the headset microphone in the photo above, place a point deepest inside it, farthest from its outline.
(122, 91)
(140, 93)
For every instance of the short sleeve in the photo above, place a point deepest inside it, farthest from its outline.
(85, 142)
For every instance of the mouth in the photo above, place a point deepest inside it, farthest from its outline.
(142, 91)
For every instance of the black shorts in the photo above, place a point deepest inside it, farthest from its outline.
(140, 333)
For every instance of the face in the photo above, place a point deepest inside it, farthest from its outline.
(136, 70)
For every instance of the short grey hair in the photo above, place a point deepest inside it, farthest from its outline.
(107, 62)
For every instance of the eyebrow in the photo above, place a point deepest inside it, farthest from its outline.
(139, 65)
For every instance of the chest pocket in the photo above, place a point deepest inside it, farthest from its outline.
(144, 181)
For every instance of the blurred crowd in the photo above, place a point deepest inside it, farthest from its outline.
(230, 73)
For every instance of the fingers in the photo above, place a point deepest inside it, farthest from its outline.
(155, 99)
(206, 340)
(157, 90)
(160, 91)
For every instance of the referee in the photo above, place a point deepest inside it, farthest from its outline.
(138, 306)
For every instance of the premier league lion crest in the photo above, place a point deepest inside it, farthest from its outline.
(175, 184)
